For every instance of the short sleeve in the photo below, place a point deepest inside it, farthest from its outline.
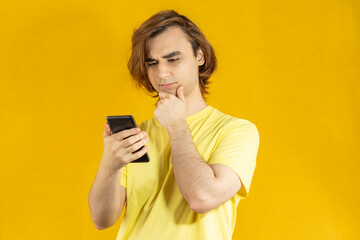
(237, 149)
(123, 177)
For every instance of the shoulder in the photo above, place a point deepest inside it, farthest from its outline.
(241, 125)
(237, 126)
(231, 122)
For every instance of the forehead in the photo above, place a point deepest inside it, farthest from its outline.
(172, 39)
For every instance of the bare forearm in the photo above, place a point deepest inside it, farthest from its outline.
(203, 186)
(104, 198)
(193, 175)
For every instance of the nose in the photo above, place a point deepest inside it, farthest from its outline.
(164, 71)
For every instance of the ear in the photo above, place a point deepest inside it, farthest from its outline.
(200, 57)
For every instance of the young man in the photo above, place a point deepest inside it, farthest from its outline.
(201, 160)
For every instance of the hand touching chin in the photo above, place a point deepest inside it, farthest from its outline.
(171, 108)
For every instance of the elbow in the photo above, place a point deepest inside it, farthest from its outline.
(200, 210)
(100, 226)
(200, 205)
(99, 222)
(99, 219)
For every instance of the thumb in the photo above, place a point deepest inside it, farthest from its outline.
(180, 93)
(107, 131)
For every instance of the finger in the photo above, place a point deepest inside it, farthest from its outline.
(133, 139)
(107, 131)
(139, 154)
(136, 146)
(180, 93)
(163, 95)
(126, 133)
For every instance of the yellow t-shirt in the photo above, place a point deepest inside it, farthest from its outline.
(156, 209)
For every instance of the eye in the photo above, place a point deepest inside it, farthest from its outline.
(173, 59)
(151, 64)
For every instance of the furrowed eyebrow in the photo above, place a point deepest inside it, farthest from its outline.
(150, 60)
(172, 54)
(165, 56)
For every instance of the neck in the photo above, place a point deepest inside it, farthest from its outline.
(194, 103)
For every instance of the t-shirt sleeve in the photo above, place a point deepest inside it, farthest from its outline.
(237, 149)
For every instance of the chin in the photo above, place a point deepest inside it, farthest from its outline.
(171, 91)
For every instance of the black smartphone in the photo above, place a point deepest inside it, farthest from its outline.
(123, 122)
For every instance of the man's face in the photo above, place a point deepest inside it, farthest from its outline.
(171, 62)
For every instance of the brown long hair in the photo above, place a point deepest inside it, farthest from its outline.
(154, 26)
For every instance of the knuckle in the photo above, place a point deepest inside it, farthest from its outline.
(140, 136)
(143, 150)
(143, 141)
(122, 135)
(132, 131)
(138, 154)
(135, 138)
(126, 134)
(135, 147)
(128, 141)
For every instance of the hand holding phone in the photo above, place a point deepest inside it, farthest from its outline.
(123, 143)
(124, 122)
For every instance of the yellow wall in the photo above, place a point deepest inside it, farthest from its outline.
(291, 67)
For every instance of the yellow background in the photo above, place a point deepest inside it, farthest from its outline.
(290, 67)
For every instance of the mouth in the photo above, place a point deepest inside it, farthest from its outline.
(167, 85)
